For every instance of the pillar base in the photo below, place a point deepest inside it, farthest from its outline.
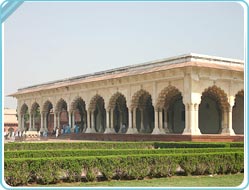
(187, 132)
(191, 132)
(109, 130)
(157, 131)
(122, 130)
(90, 130)
(131, 131)
(32, 129)
(197, 132)
(166, 130)
(227, 131)
(142, 130)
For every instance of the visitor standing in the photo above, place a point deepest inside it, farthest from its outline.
(57, 132)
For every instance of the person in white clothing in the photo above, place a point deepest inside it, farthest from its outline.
(56, 132)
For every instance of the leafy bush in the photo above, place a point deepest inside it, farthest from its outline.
(212, 163)
(16, 173)
(45, 171)
(77, 145)
(190, 145)
(237, 144)
(51, 170)
(114, 145)
(101, 152)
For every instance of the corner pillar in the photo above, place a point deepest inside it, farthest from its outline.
(109, 127)
(30, 122)
(166, 127)
(23, 123)
(73, 119)
(70, 119)
(90, 122)
(33, 122)
(227, 122)
(42, 126)
(157, 129)
(46, 121)
(19, 121)
(142, 129)
(59, 119)
(131, 127)
(55, 120)
(191, 119)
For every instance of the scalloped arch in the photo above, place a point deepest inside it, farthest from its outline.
(61, 103)
(218, 94)
(114, 98)
(94, 101)
(47, 106)
(77, 100)
(137, 97)
(166, 96)
(24, 109)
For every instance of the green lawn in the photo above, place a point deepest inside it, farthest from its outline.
(176, 181)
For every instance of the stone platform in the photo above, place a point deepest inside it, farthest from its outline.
(149, 137)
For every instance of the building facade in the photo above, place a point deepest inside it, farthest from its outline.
(10, 122)
(190, 94)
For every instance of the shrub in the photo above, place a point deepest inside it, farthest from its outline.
(189, 145)
(16, 173)
(101, 152)
(212, 163)
(114, 145)
(163, 166)
(72, 170)
(45, 171)
(51, 170)
(77, 145)
(237, 144)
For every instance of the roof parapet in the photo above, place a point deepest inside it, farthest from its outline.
(191, 57)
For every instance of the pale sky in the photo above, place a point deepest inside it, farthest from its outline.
(46, 41)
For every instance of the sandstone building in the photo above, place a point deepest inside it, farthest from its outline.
(190, 94)
(10, 121)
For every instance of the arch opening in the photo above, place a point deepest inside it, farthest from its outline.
(63, 117)
(144, 112)
(120, 112)
(170, 102)
(176, 115)
(24, 117)
(211, 110)
(238, 113)
(98, 118)
(79, 114)
(49, 117)
(36, 117)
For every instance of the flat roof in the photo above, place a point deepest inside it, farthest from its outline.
(152, 66)
(10, 116)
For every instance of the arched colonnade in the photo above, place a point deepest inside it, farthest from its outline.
(167, 113)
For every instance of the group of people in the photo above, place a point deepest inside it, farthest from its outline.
(43, 132)
(66, 129)
(11, 134)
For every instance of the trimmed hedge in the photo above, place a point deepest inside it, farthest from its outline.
(196, 145)
(237, 144)
(77, 145)
(115, 145)
(103, 152)
(51, 170)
